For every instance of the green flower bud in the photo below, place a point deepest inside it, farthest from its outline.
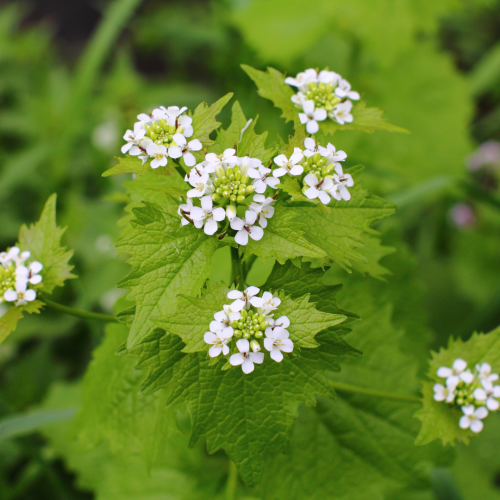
(235, 324)
(219, 171)
(240, 199)
(237, 175)
(232, 197)
(238, 333)
(243, 313)
(247, 335)
(216, 197)
(259, 335)
(250, 189)
(255, 346)
(245, 179)
(264, 325)
(226, 194)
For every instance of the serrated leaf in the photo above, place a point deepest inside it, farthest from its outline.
(440, 420)
(204, 122)
(43, 240)
(284, 238)
(9, 321)
(271, 85)
(291, 186)
(168, 259)
(133, 165)
(364, 119)
(231, 136)
(342, 227)
(193, 317)
(373, 251)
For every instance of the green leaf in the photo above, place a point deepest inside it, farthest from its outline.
(372, 252)
(167, 260)
(271, 85)
(364, 119)
(291, 186)
(231, 136)
(342, 227)
(193, 317)
(284, 238)
(43, 240)
(133, 165)
(440, 420)
(8, 322)
(357, 435)
(204, 122)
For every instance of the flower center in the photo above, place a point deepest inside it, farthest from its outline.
(251, 324)
(323, 95)
(162, 133)
(232, 184)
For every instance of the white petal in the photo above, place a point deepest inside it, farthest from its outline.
(243, 345)
(476, 426)
(311, 180)
(257, 301)
(238, 305)
(309, 143)
(323, 197)
(444, 372)
(247, 366)
(237, 224)
(236, 359)
(480, 394)
(30, 295)
(10, 295)
(312, 127)
(210, 227)
(206, 203)
(283, 321)
(308, 107)
(311, 193)
(189, 159)
(179, 139)
(492, 404)
(218, 325)
(467, 377)
(280, 172)
(257, 357)
(175, 152)
(256, 233)
(464, 422)
(241, 237)
(459, 365)
(296, 156)
(250, 217)
(253, 290)
(214, 351)
(280, 160)
(287, 345)
(38, 279)
(303, 118)
(260, 186)
(296, 170)
(481, 412)
(220, 316)
(468, 410)
(235, 294)
(197, 213)
(219, 214)
(272, 182)
(277, 355)
(269, 343)
(227, 333)
(36, 267)
(320, 114)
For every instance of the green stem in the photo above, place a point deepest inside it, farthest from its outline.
(238, 271)
(80, 313)
(232, 481)
(355, 389)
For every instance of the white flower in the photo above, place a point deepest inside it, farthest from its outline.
(289, 166)
(344, 90)
(456, 373)
(311, 147)
(245, 358)
(302, 80)
(218, 337)
(21, 295)
(250, 166)
(230, 212)
(6, 258)
(242, 299)
(226, 158)
(472, 418)
(184, 149)
(318, 189)
(159, 153)
(267, 303)
(342, 182)
(133, 138)
(246, 228)
(144, 119)
(186, 208)
(208, 214)
(489, 396)
(30, 273)
(262, 206)
(263, 179)
(330, 153)
(282, 321)
(312, 116)
(277, 343)
(171, 112)
(227, 315)
(326, 76)
(299, 99)
(21, 258)
(485, 376)
(442, 393)
(200, 182)
(342, 112)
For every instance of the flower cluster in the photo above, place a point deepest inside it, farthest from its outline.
(322, 95)
(160, 135)
(473, 392)
(246, 325)
(18, 278)
(222, 184)
(319, 168)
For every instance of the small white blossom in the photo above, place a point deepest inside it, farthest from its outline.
(344, 90)
(227, 315)
(208, 214)
(245, 357)
(186, 208)
(326, 77)
(299, 99)
(472, 418)
(267, 303)
(342, 182)
(30, 273)
(302, 80)
(456, 373)
(262, 206)
(318, 189)
(246, 228)
(289, 166)
(227, 158)
(230, 212)
(7, 257)
(133, 138)
(489, 396)
(218, 337)
(184, 149)
(200, 182)
(312, 116)
(485, 376)
(342, 112)
(442, 393)
(330, 153)
(277, 343)
(242, 299)
(21, 295)
(263, 179)
(159, 153)
(311, 147)
(250, 166)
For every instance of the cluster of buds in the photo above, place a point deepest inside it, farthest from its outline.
(474, 392)
(319, 170)
(321, 95)
(247, 325)
(162, 134)
(18, 277)
(222, 184)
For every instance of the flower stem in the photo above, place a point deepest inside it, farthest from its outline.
(232, 481)
(355, 389)
(79, 313)
(238, 273)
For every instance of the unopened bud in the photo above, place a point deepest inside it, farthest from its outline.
(230, 212)
(246, 335)
(250, 189)
(259, 335)
(255, 346)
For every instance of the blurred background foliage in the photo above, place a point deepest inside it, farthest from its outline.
(67, 96)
